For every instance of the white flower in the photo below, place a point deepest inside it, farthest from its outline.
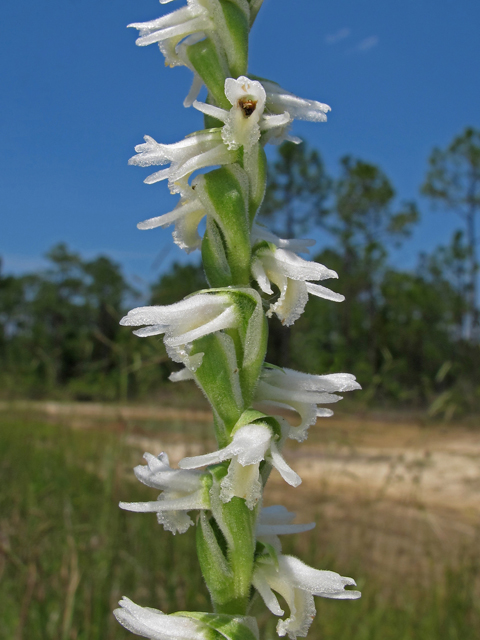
(291, 274)
(153, 624)
(250, 445)
(186, 217)
(302, 392)
(280, 100)
(182, 492)
(173, 27)
(246, 120)
(197, 151)
(184, 322)
(186, 26)
(195, 203)
(276, 521)
(297, 583)
(297, 245)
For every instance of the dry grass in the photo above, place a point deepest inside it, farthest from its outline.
(397, 505)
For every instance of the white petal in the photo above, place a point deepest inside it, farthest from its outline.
(182, 209)
(279, 99)
(180, 376)
(287, 473)
(294, 296)
(195, 500)
(226, 320)
(175, 521)
(261, 585)
(258, 272)
(155, 625)
(200, 307)
(323, 292)
(211, 110)
(263, 530)
(297, 380)
(295, 267)
(243, 87)
(271, 122)
(259, 232)
(327, 584)
(202, 461)
(250, 443)
(242, 482)
(192, 95)
(275, 514)
(186, 234)
(153, 330)
(159, 475)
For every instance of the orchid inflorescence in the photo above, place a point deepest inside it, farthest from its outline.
(219, 335)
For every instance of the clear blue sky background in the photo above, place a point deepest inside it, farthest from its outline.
(76, 95)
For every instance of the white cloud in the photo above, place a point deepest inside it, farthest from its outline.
(339, 35)
(367, 44)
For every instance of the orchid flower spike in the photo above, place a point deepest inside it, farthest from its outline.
(288, 389)
(246, 120)
(276, 521)
(250, 445)
(291, 275)
(183, 491)
(297, 583)
(183, 322)
(197, 151)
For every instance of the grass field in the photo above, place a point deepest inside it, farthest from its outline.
(68, 553)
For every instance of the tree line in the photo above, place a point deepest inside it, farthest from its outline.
(410, 336)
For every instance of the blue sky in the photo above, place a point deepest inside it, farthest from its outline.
(77, 95)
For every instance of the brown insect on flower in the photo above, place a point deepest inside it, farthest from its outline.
(247, 105)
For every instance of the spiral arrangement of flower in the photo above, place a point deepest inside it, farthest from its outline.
(219, 335)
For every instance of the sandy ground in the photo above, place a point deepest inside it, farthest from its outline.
(402, 495)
